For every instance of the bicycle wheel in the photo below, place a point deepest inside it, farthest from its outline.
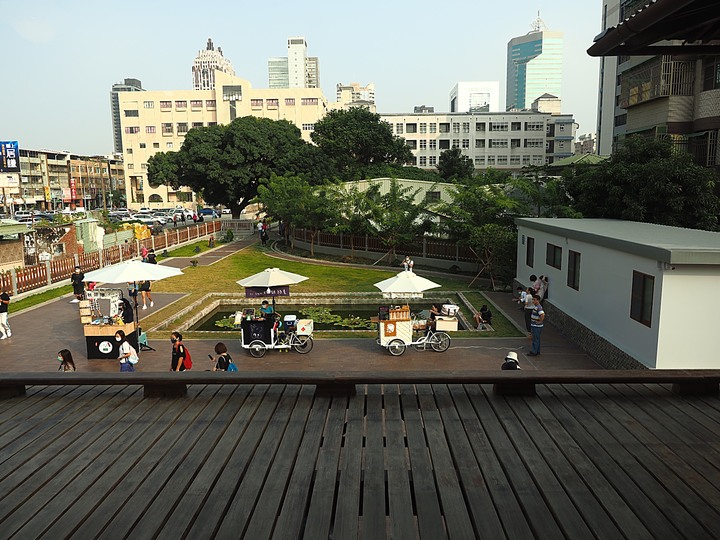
(440, 342)
(257, 348)
(302, 344)
(396, 347)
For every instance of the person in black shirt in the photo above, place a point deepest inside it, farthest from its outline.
(78, 284)
(4, 303)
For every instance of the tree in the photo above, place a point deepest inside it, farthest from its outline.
(494, 246)
(453, 165)
(541, 195)
(355, 211)
(227, 163)
(647, 180)
(297, 203)
(355, 139)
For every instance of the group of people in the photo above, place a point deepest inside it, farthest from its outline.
(531, 301)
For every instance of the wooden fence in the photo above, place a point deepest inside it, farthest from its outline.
(55, 270)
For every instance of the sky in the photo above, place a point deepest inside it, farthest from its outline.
(62, 58)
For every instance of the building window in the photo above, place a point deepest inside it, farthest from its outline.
(553, 256)
(132, 129)
(534, 126)
(711, 73)
(150, 129)
(514, 143)
(166, 104)
(514, 160)
(444, 144)
(573, 275)
(466, 143)
(210, 124)
(641, 300)
(456, 127)
(515, 126)
(480, 126)
(502, 160)
(290, 101)
(423, 127)
(433, 160)
(156, 145)
(232, 92)
(432, 196)
(128, 150)
(149, 104)
(444, 127)
(257, 103)
(308, 127)
(423, 144)
(181, 104)
(131, 113)
(398, 129)
(423, 161)
(411, 144)
(530, 252)
(209, 103)
(168, 145)
(526, 160)
(534, 143)
(479, 160)
(273, 102)
(142, 145)
(498, 126)
(491, 160)
(456, 143)
(433, 127)
(197, 124)
(309, 101)
(131, 166)
(410, 128)
(479, 143)
(466, 127)
(167, 129)
(432, 144)
(196, 103)
(498, 143)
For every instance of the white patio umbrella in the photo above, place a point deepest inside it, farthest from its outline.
(405, 285)
(273, 280)
(132, 272)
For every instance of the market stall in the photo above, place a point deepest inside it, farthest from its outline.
(100, 315)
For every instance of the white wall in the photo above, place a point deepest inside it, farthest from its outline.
(689, 318)
(602, 302)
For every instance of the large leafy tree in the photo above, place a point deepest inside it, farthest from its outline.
(227, 163)
(453, 165)
(647, 180)
(541, 195)
(356, 139)
(355, 211)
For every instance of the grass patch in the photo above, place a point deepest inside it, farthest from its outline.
(36, 299)
(502, 326)
(190, 250)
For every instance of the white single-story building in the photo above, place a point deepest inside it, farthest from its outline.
(627, 290)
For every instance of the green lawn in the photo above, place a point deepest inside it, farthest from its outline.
(189, 250)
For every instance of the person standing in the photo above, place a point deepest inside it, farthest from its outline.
(144, 253)
(66, 361)
(4, 303)
(177, 362)
(529, 306)
(151, 258)
(126, 353)
(536, 325)
(408, 263)
(145, 291)
(222, 362)
(78, 284)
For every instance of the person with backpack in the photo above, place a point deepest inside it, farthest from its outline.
(223, 362)
(181, 360)
(128, 356)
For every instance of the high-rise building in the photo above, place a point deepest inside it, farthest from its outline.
(296, 70)
(611, 119)
(128, 85)
(534, 66)
(479, 96)
(354, 95)
(205, 64)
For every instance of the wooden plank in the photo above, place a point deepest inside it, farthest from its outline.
(290, 522)
(402, 519)
(618, 511)
(373, 520)
(427, 502)
(457, 518)
(157, 457)
(269, 504)
(577, 509)
(248, 493)
(347, 508)
(479, 504)
(322, 498)
(530, 497)
(514, 521)
(184, 511)
(91, 455)
(574, 409)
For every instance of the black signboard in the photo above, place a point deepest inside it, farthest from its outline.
(257, 292)
(9, 156)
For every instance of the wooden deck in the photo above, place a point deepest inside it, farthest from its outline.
(401, 461)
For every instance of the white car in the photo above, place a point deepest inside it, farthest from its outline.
(226, 211)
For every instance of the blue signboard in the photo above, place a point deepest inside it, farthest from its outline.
(9, 156)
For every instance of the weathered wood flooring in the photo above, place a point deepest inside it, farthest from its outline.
(426, 461)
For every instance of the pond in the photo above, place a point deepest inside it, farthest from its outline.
(325, 317)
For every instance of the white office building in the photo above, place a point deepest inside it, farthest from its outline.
(296, 70)
(478, 96)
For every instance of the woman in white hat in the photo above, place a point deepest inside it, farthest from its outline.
(511, 361)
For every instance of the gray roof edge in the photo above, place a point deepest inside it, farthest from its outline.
(670, 255)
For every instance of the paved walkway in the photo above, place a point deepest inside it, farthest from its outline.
(40, 332)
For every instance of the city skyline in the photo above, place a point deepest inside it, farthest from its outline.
(60, 97)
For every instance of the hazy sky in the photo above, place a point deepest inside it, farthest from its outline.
(62, 57)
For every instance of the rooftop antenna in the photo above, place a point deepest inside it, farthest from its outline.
(538, 25)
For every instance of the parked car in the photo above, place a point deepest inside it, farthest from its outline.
(22, 214)
(208, 212)
(180, 211)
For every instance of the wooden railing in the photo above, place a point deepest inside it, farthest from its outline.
(162, 384)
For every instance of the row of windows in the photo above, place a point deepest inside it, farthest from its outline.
(464, 127)
(444, 144)
(481, 161)
(641, 298)
(179, 104)
(167, 128)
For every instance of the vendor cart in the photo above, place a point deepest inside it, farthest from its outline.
(260, 334)
(398, 330)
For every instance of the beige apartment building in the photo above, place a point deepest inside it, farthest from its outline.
(157, 121)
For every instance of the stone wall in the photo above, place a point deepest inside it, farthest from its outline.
(600, 349)
(11, 254)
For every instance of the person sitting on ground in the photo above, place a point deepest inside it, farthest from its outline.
(483, 318)
(223, 359)
(435, 312)
(66, 361)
